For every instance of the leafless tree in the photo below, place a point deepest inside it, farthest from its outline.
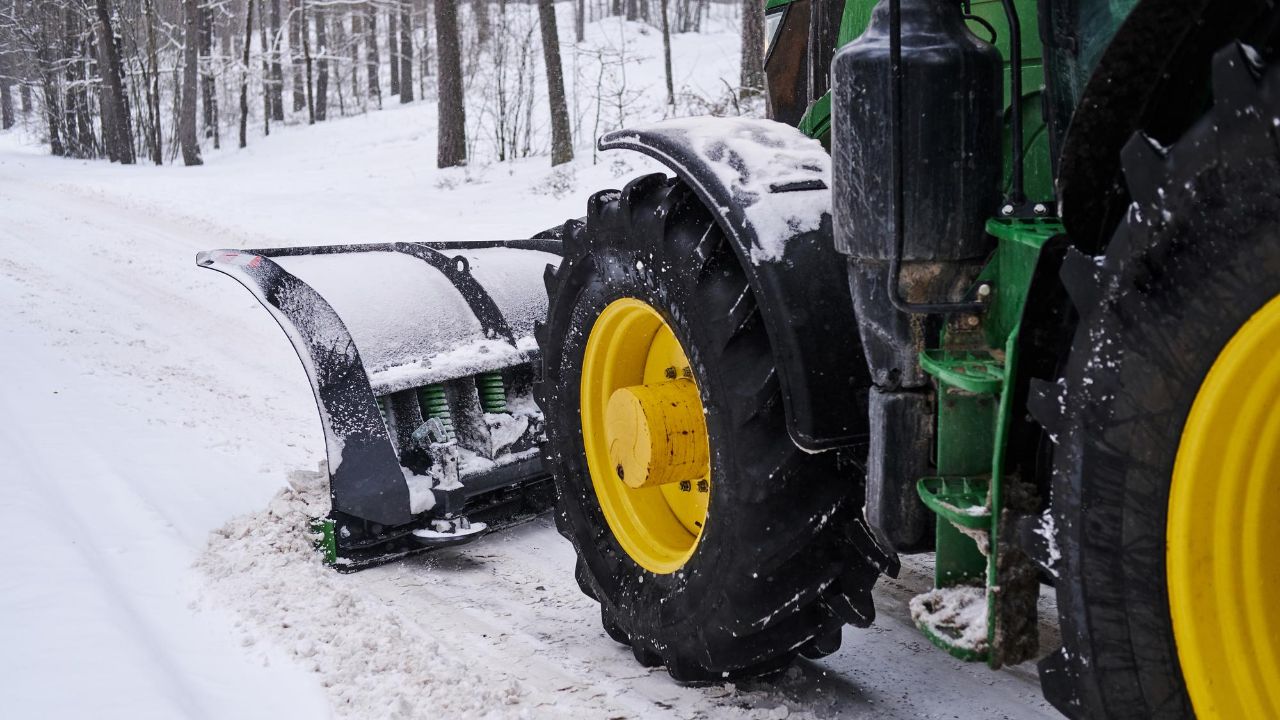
(306, 59)
(393, 44)
(191, 61)
(114, 99)
(666, 55)
(276, 87)
(296, 60)
(244, 74)
(752, 80)
(371, 52)
(480, 16)
(6, 92)
(451, 148)
(406, 53)
(155, 138)
(321, 102)
(208, 90)
(265, 57)
(561, 139)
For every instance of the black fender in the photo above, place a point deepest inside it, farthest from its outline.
(1153, 76)
(767, 184)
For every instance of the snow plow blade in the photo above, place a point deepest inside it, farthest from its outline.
(421, 359)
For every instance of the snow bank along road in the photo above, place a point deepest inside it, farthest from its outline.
(158, 448)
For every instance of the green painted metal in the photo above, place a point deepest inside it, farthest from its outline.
(434, 404)
(974, 411)
(816, 122)
(959, 500)
(959, 652)
(775, 4)
(975, 372)
(325, 540)
(493, 393)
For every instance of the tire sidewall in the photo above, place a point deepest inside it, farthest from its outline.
(1186, 276)
(686, 596)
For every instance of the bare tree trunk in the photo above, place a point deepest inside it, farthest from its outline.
(633, 10)
(266, 65)
(78, 112)
(48, 81)
(666, 54)
(300, 87)
(25, 94)
(208, 91)
(752, 80)
(451, 148)
(561, 139)
(6, 93)
(393, 45)
(353, 47)
(484, 28)
(306, 57)
(371, 52)
(322, 65)
(580, 21)
(277, 72)
(116, 129)
(424, 51)
(406, 53)
(191, 59)
(244, 74)
(155, 137)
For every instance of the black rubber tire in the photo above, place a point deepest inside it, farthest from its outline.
(780, 566)
(1198, 254)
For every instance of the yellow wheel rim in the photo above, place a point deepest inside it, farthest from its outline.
(645, 436)
(1224, 530)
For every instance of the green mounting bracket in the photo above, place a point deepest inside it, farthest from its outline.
(325, 540)
(973, 372)
(976, 372)
(958, 500)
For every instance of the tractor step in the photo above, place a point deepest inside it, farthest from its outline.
(976, 372)
(961, 500)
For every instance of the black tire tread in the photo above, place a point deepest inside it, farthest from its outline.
(788, 527)
(1197, 249)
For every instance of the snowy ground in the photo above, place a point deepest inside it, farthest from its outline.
(159, 441)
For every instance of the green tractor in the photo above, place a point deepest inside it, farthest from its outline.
(999, 282)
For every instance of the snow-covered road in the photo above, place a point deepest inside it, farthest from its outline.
(147, 403)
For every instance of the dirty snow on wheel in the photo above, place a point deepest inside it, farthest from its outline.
(160, 452)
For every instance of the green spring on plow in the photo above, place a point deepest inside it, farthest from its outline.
(493, 395)
(435, 405)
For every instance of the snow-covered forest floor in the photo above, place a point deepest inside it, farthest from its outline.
(159, 443)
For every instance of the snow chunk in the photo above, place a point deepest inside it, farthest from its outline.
(958, 613)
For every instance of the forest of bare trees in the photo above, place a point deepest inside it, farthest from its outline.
(161, 80)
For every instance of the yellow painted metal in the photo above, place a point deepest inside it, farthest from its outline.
(632, 361)
(657, 434)
(1223, 549)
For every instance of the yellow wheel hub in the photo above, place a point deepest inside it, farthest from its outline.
(645, 436)
(1224, 530)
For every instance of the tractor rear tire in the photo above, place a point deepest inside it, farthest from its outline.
(1197, 256)
(782, 561)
